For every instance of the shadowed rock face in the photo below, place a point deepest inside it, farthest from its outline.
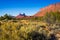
(53, 8)
(20, 16)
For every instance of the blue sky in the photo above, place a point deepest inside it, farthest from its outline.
(29, 7)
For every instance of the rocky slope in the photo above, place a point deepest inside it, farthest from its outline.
(52, 7)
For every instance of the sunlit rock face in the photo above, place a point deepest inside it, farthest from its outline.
(52, 7)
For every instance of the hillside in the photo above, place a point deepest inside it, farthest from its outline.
(52, 7)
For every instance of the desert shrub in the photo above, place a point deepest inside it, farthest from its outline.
(52, 37)
(36, 36)
(25, 30)
(52, 17)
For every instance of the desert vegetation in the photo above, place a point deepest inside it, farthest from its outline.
(36, 28)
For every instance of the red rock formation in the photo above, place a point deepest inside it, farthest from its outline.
(20, 16)
(24, 16)
(53, 8)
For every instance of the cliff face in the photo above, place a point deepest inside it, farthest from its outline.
(53, 8)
